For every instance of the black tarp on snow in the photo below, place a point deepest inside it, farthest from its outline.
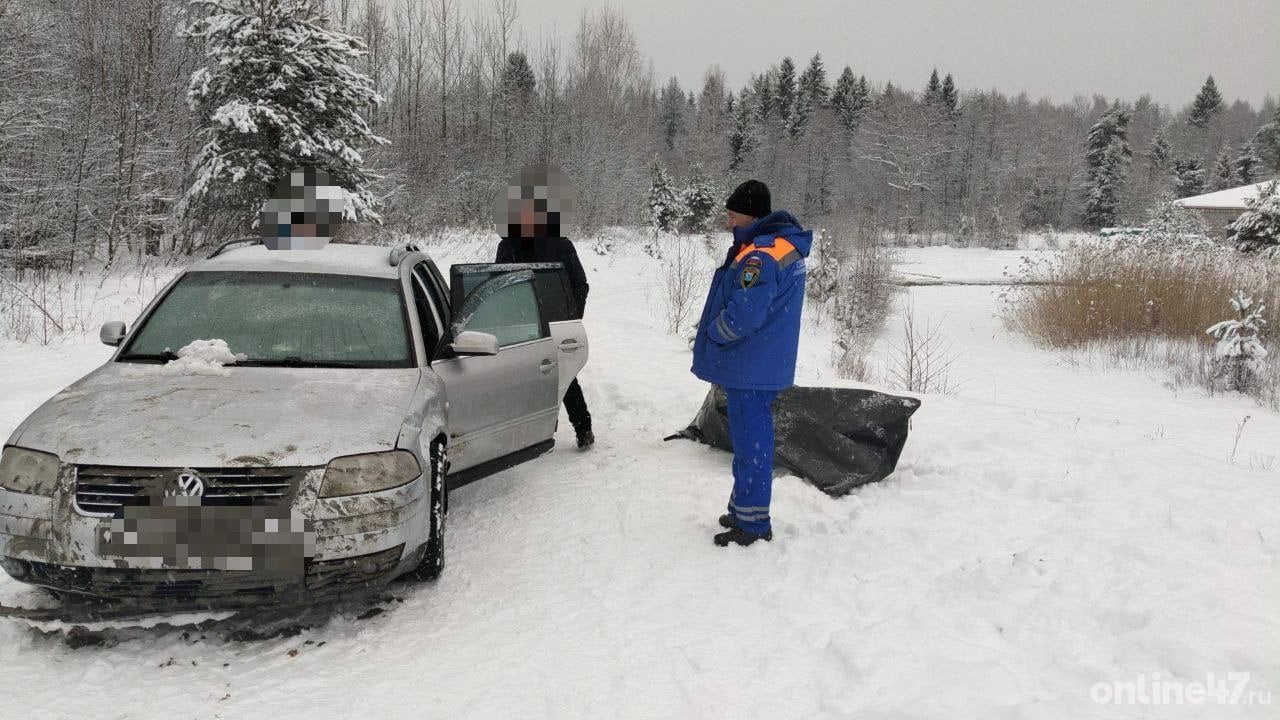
(836, 438)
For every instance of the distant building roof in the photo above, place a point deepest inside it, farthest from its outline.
(1229, 199)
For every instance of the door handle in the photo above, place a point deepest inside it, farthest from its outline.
(547, 366)
(570, 345)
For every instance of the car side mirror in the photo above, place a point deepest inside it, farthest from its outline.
(112, 333)
(474, 343)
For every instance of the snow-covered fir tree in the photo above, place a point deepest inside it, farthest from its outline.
(1272, 133)
(813, 82)
(784, 94)
(279, 92)
(842, 94)
(799, 115)
(1258, 227)
(1224, 171)
(1207, 105)
(671, 112)
(518, 81)
(1248, 164)
(1188, 177)
(742, 136)
(1107, 156)
(664, 205)
(849, 99)
(1239, 358)
(933, 90)
(763, 95)
(950, 95)
(699, 201)
(1159, 154)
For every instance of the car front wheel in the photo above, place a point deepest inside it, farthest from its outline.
(433, 560)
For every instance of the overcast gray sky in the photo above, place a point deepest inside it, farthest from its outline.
(1053, 48)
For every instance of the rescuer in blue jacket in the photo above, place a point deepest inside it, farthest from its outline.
(747, 342)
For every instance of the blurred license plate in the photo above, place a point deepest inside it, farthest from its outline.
(193, 537)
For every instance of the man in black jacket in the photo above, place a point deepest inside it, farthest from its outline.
(532, 235)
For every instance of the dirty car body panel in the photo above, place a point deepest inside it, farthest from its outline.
(259, 439)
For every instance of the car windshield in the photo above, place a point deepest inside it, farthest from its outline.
(287, 319)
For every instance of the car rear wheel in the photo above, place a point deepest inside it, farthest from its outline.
(433, 560)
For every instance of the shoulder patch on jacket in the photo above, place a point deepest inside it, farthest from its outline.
(750, 272)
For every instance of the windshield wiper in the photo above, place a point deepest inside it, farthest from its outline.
(293, 361)
(164, 357)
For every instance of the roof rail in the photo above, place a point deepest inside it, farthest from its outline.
(399, 252)
(221, 248)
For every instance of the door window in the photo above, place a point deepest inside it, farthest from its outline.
(508, 311)
(551, 283)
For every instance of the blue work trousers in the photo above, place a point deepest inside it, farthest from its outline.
(751, 431)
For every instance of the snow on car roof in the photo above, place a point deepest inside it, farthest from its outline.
(333, 259)
(1229, 199)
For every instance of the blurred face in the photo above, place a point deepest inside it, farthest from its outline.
(737, 220)
(303, 213)
(530, 218)
(538, 201)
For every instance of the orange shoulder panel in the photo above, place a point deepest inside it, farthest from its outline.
(781, 247)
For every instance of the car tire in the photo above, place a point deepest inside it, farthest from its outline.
(432, 563)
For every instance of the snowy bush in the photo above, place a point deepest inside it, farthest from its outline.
(683, 280)
(279, 93)
(1258, 228)
(922, 362)
(1172, 226)
(1239, 357)
(855, 278)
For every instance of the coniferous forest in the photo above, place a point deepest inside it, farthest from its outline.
(101, 130)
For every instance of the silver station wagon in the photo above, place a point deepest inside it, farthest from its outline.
(286, 425)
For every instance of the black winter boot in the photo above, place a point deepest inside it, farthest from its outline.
(728, 521)
(741, 537)
(586, 439)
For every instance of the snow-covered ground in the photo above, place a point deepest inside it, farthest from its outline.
(1049, 528)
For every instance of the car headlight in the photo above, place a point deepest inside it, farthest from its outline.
(28, 471)
(355, 474)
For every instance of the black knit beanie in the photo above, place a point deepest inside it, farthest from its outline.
(750, 198)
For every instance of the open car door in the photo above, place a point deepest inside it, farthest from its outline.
(503, 406)
(556, 303)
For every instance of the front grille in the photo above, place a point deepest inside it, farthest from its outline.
(102, 490)
(159, 584)
(323, 579)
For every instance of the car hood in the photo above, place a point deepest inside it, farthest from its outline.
(137, 415)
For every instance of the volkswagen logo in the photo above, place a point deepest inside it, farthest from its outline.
(187, 484)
